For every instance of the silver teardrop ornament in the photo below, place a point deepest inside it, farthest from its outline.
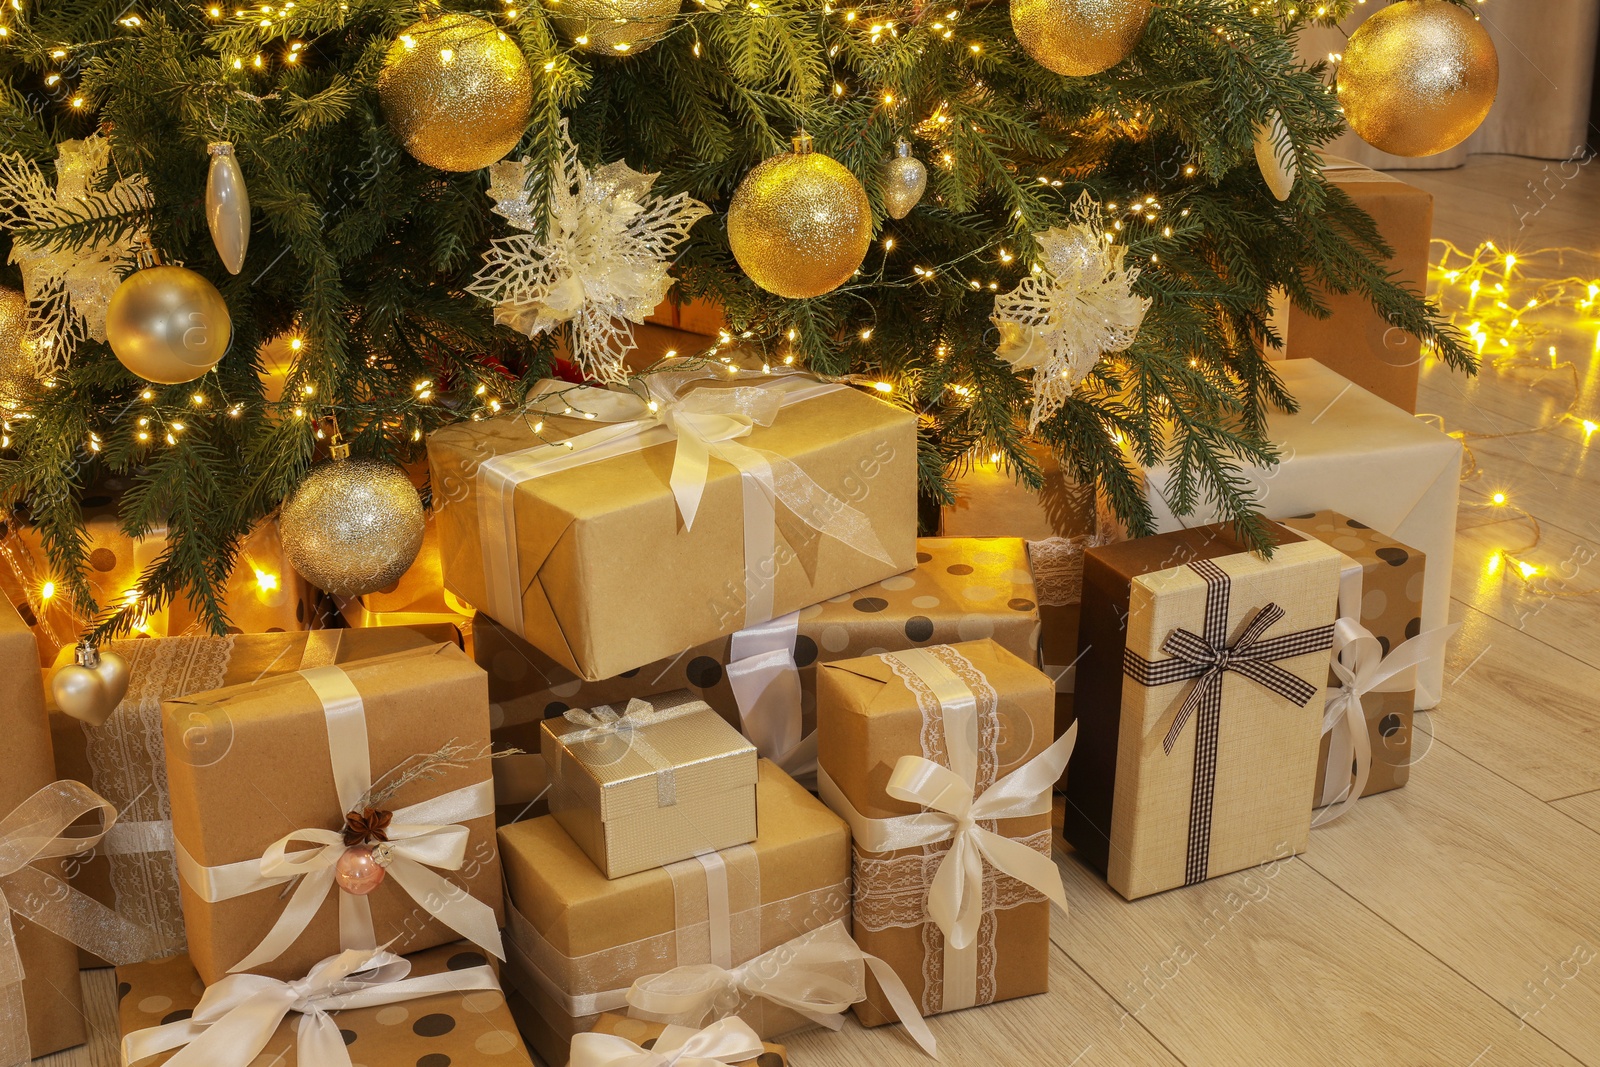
(227, 207)
(904, 180)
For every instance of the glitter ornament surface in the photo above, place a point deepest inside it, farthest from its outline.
(800, 223)
(620, 27)
(905, 179)
(456, 91)
(1418, 77)
(168, 324)
(19, 372)
(353, 526)
(1079, 37)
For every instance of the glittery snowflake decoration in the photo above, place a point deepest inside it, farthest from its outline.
(68, 288)
(1075, 307)
(602, 263)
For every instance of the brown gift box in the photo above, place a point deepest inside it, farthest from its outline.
(1385, 596)
(51, 994)
(644, 1034)
(605, 574)
(867, 719)
(466, 1029)
(250, 763)
(680, 783)
(122, 759)
(575, 933)
(1130, 810)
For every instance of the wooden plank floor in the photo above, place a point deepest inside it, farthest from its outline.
(1455, 923)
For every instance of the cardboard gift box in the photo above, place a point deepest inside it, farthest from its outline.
(1351, 452)
(135, 871)
(961, 588)
(465, 1023)
(651, 783)
(1186, 771)
(908, 744)
(664, 1039)
(614, 541)
(388, 754)
(578, 940)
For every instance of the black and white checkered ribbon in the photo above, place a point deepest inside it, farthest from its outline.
(1207, 659)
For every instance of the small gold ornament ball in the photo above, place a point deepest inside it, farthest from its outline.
(18, 370)
(1079, 37)
(1418, 77)
(800, 223)
(168, 324)
(456, 91)
(619, 27)
(353, 526)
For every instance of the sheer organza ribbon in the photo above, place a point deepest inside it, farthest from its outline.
(237, 1016)
(605, 723)
(37, 830)
(722, 1044)
(421, 836)
(766, 686)
(702, 423)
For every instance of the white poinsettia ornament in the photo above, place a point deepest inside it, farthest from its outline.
(1076, 306)
(602, 263)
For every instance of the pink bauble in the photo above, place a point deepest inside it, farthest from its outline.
(357, 872)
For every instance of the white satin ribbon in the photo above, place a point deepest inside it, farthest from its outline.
(237, 1016)
(421, 836)
(766, 686)
(722, 1044)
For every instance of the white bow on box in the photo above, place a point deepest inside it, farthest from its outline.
(722, 1044)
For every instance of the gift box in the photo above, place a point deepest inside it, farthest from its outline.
(578, 941)
(135, 871)
(961, 588)
(616, 540)
(1355, 340)
(651, 783)
(1348, 451)
(1197, 705)
(664, 1039)
(439, 1007)
(26, 585)
(367, 784)
(933, 756)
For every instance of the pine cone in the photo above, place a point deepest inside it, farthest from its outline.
(366, 825)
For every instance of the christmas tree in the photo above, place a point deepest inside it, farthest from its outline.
(1067, 217)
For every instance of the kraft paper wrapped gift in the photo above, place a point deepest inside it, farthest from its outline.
(442, 1006)
(665, 1039)
(122, 758)
(578, 941)
(961, 588)
(1348, 451)
(909, 744)
(650, 783)
(260, 770)
(616, 541)
(1198, 705)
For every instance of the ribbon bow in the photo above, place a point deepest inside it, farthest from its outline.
(603, 723)
(36, 830)
(237, 1016)
(722, 1044)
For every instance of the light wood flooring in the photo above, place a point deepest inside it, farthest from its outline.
(1454, 923)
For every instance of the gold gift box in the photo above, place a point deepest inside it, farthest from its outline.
(644, 1034)
(683, 782)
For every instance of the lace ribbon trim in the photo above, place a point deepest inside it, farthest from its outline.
(893, 892)
(1058, 567)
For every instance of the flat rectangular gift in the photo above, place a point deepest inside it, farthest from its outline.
(440, 1006)
(650, 784)
(122, 758)
(613, 541)
(908, 743)
(664, 1038)
(1197, 705)
(371, 777)
(578, 941)
(1351, 452)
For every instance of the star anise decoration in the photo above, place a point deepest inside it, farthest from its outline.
(366, 825)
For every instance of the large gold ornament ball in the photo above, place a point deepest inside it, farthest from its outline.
(18, 370)
(353, 526)
(456, 91)
(1418, 77)
(1079, 37)
(618, 27)
(168, 324)
(799, 223)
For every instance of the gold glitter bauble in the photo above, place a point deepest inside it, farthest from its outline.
(168, 324)
(19, 372)
(1418, 77)
(456, 91)
(799, 223)
(1079, 37)
(353, 526)
(621, 27)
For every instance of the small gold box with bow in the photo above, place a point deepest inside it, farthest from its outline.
(656, 782)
